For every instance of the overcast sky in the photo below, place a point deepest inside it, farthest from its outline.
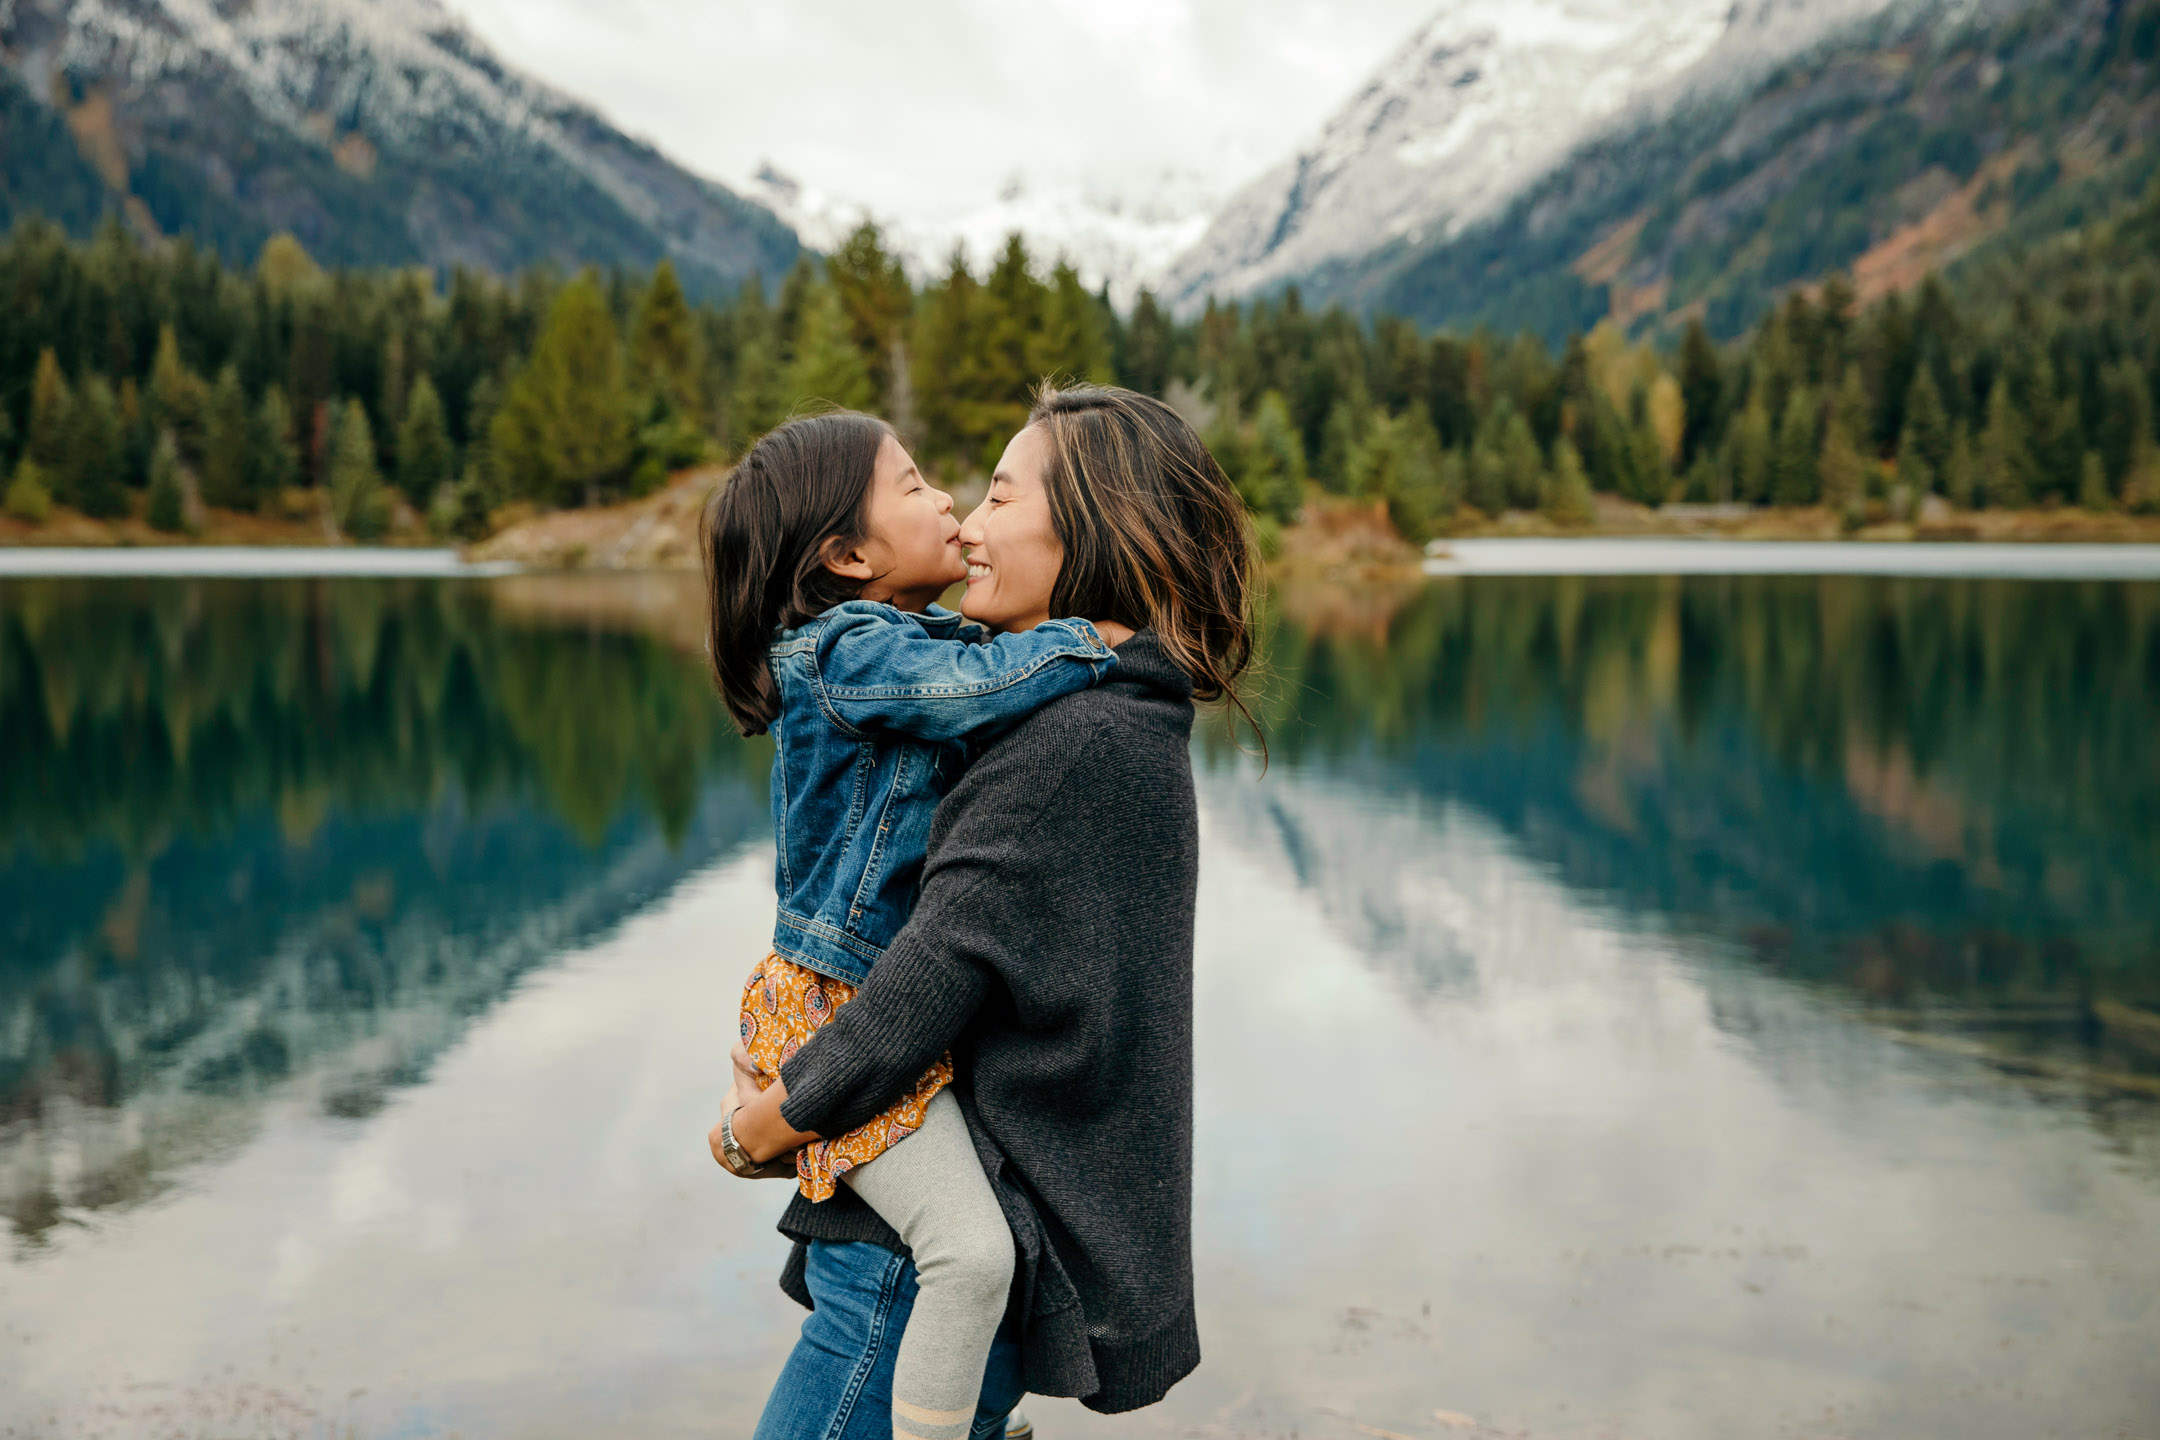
(922, 109)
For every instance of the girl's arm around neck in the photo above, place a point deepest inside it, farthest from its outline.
(879, 674)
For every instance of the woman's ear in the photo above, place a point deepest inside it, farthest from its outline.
(845, 560)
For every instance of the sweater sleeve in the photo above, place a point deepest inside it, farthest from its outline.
(988, 850)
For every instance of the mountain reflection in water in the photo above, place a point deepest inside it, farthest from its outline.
(1746, 988)
(1923, 794)
(258, 830)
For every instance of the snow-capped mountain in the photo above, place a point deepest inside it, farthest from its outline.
(1124, 236)
(1486, 98)
(378, 130)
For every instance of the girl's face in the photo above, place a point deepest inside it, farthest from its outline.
(911, 554)
(1013, 552)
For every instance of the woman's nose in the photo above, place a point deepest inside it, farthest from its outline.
(971, 533)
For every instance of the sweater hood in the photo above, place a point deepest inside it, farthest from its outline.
(1142, 662)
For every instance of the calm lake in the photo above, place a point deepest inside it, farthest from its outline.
(1628, 1007)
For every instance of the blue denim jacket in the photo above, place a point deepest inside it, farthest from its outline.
(877, 708)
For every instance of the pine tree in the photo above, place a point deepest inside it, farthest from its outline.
(178, 399)
(1841, 468)
(1924, 446)
(29, 498)
(1665, 414)
(1006, 350)
(284, 265)
(1961, 471)
(875, 294)
(564, 432)
(1072, 344)
(51, 403)
(1143, 361)
(425, 460)
(1567, 489)
(2005, 462)
(2124, 427)
(788, 310)
(227, 472)
(1793, 480)
(481, 408)
(1522, 465)
(1274, 483)
(1398, 461)
(273, 458)
(827, 365)
(1751, 451)
(1485, 475)
(756, 401)
(310, 377)
(359, 505)
(94, 456)
(2093, 492)
(665, 358)
(950, 384)
(167, 509)
(2053, 440)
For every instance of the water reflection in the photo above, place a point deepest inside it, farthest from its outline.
(260, 833)
(1626, 1007)
(1939, 798)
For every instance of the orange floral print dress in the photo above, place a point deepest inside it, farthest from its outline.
(783, 1008)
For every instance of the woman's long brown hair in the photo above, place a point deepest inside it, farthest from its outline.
(1155, 535)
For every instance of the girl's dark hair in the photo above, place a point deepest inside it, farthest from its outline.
(1155, 535)
(764, 535)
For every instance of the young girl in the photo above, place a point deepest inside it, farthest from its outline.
(824, 554)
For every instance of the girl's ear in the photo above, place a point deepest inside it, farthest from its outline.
(844, 560)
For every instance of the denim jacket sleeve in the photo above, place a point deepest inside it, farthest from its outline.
(877, 671)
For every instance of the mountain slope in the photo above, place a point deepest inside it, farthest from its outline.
(1480, 103)
(379, 131)
(1910, 146)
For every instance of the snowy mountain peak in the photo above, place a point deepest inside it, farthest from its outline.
(1487, 97)
(485, 164)
(1124, 237)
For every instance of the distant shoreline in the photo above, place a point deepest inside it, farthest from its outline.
(1916, 559)
(239, 562)
(1588, 555)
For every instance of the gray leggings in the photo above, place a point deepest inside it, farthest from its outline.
(931, 1189)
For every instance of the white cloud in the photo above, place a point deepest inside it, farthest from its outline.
(923, 111)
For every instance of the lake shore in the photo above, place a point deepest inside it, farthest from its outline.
(1342, 539)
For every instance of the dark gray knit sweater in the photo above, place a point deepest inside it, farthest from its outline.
(1052, 950)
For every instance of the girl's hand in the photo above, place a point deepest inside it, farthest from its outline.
(747, 1080)
(1113, 634)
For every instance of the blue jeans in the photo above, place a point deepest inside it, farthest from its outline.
(837, 1385)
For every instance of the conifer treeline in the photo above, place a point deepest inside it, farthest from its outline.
(158, 381)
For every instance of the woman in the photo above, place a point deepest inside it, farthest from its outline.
(1051, 947)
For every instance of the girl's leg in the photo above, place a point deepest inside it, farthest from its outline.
(931, 1189)
(837, 1384)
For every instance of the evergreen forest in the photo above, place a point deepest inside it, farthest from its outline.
(157, 381)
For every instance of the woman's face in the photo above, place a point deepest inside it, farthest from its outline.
(1013, 552)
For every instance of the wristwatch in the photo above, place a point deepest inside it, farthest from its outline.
(732, 1154)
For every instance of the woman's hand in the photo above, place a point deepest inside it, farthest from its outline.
(760, 1129)
(778, 1168)
(1113, 634)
